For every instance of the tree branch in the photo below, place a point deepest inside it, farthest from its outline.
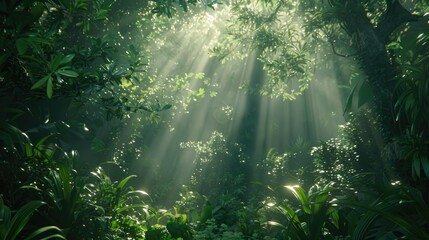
(395, 16)
(339, 54)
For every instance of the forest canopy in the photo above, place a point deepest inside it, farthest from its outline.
(214, 119)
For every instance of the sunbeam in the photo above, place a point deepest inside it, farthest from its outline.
(313, 116)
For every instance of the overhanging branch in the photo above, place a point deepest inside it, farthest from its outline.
(339, 54)
(395, 16)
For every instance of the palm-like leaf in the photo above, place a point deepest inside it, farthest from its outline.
(11, 227)
(315, 215)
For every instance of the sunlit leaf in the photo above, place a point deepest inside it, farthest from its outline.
(272, 223)
(300, 195)
(124, 181)
(67, 73)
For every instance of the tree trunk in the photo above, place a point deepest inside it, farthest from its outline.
(370, 41)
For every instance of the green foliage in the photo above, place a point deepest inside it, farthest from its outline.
(178, 227)
(41, 55)
(217, 171)
(316, 217)
(169, 7)
(124, 208)
(293, 167)
(414, 147)
(214, 231)
(279, 43)
(355, 151)
(12, 138)
(11, 227)
(157, 232)
(403, 206)
(412, 101)
(360, 93)
(62, 65)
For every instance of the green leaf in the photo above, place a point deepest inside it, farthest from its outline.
(166, 107)
(67, 73)
(55, 62)
(425, 165)
(57, 233)
(67, 59)
(124, 181)
(65, 180)
(365, 93)
(139, 192)
(184, 5)
(299, 194)
(349, 100)
(21, 46)
(416, 166)
(20, 219)
(49, 88)
(28, 150)
(4, 57)
(406, 225)
(37, 10)
(41, 82)
(132, 206)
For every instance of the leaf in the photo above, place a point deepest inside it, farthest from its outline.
(132, 206)
(124, 181)
(184, 5)
(425, 164)
(166, 107)
(416, 166)
(55, 62)
(41, 142)
(43, 230)
(406, 225)
(67, 73)
(349, 100)
(21, 218)
(67, 59)
(365, 93)
(4, 57)
(141, 192)
(41, 82)
(272, 223)
(49, 88)
(28, 150)
(21, 46)
(37, 10)
(299, 194)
